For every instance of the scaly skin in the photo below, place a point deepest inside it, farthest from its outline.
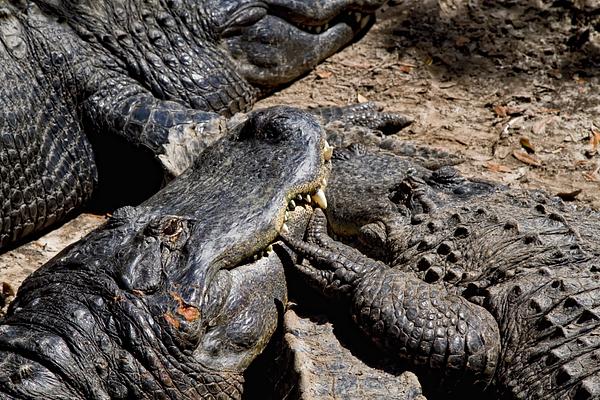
(159, 78)
(165, 301)
(481, 284)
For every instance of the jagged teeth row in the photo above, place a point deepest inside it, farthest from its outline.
(314, 29)
(361, 19)
(318, 198)
(265, 253)
(355, 16)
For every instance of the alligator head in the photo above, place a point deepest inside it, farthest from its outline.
(177, 296)
(214, 54)
(276, 41)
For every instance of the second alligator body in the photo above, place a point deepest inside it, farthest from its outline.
(480, 286)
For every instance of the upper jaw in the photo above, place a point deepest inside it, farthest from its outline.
(234, 202)
(320, 12)
(293, 37)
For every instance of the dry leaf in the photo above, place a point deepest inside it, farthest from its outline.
(594, 140)
(527, 145)
(591, 176)
(526, 158)
(324, 74)
(495, 167)
(539, 127)
(7, 289)
(361, 98)
(501, 111)
(461, 41)
(569, 196)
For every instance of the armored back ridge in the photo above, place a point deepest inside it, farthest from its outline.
(477, 286)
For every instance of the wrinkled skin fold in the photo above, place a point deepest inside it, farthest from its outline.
(479, 287)
(166, 300)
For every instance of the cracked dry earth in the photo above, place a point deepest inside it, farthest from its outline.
(510, 86)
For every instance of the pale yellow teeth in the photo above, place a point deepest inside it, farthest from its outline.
(307, 199)
(285, 229)
(364, 22)
(327, 151)
(320, 199)
(269, 249)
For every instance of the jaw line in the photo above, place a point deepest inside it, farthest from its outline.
(268, 69)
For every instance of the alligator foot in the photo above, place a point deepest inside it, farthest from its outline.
(368, 115)
(422, 323)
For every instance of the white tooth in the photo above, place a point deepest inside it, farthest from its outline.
(326, 27)
(327, 151)
(318, 29)
(308, 199)
(364, 22)
(320, 199)
(269, 249)
(299, 197)
(357, 17)
(285, 229)
(324, 182)
(292, 205)
(286, 216)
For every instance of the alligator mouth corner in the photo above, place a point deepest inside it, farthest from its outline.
(297, 212)
(354, 19)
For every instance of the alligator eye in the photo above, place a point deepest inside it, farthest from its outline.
(244, 17)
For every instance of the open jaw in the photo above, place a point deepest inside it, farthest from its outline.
(285, 43)
(174, 290)
(224, 294)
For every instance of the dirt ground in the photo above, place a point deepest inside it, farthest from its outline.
(511, 86)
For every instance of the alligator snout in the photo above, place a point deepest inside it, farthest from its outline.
(279, 40)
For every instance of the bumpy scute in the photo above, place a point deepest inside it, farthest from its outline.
(517, 270)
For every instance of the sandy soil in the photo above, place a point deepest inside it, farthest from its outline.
(511, 86)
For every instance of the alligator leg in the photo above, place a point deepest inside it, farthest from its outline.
(421, 323)
(171, 131)
(368, 115)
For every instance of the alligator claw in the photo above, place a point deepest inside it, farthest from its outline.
(368, 115)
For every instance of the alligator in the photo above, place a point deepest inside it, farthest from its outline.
(475, 286)
(104, 85)
(174, 298)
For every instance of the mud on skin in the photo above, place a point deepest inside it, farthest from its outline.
(475, 285)
(172, 299)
